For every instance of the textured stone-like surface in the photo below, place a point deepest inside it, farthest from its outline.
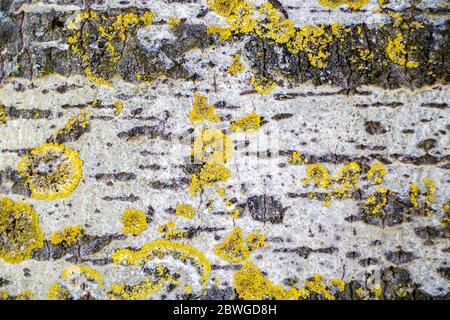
(140, 157)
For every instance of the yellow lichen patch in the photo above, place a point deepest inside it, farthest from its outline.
(318, 286)
(236, 66)
(134, 222)
(202, 111)
(69, 235)
(77, 270)
(224, 33)
(349, 175)
(430, 190)
(376, 173)
(235, 213)
(262, 85)
(212, 146)
(296, 158)
(240, 20)
(339, 283)
(51, 171)
(185, 211)
(25, 295)
(19, 231)
(2, 115)
(376, 203)
(81, 121)
(110, 32)
(249, 123)
(138, 291)
(160, 249)
(319, 174)
(236, 249)
(169, 231)
(314, 41)
(414, 190)
(119, 107)
(353, 4)
(396, 51)
(281, 32)
(77, 282)
(173, 22)
(58, 292)
(224, 7)
(209, 175)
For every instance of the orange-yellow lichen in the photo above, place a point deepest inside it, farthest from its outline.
(236, 66)
(296, 158)
(119, 107)
(185, 211)
(19, 231)
(396, 51)
(160, 249)
(173, 22)
(209, 175)
(75, 122)
(202, 111)
(319, 174)
(236, 249)
(69, 235)
(262, 85)
(249, 123)
(51, 171)
(414, 190)
(58, 292)
(224, 7)
(212, 146)
(376, 203)
(376, 173)
(314, 41)
(2, 115)
(353, 4)
(134, 222)
(349, 175)
(170, 233)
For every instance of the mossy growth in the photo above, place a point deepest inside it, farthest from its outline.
(20, 233)
(51, 171)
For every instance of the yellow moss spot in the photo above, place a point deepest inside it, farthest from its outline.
(25, 295)
(202, 111)
(377, 291)
(249, 123)
(134, 222)
(353, 4)
(69, 235)
(235, 249)
(51, 171)
(221, 192)
(224, 8)
(296, 158)
(2, 115)
(396, 51)
(376, 173)
(170, 233)
(119, 107)
(212, 146)
(237, 66)
(349, 175)
(185, 211)
(319, 174)
(262, 84)
(158, 249)
(19, 231)
(314, 41)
